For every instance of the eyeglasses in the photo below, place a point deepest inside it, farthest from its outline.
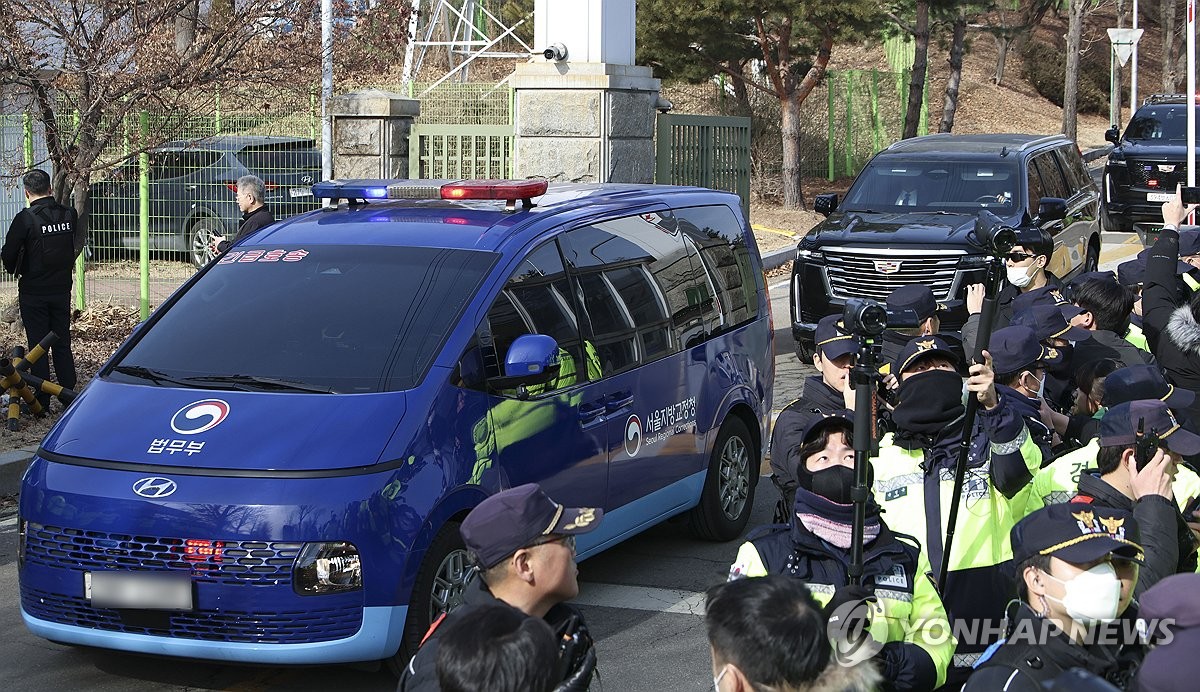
(1018, 256)
(568, 541)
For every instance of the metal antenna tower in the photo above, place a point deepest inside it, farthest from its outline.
(465, 29)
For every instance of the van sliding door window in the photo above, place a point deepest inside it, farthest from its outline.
(719, 245)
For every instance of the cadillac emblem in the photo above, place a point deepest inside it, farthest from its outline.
(887, 266)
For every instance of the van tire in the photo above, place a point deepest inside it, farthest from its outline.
(728, 495)
(446, 552)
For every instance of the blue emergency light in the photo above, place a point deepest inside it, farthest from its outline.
(367, 189)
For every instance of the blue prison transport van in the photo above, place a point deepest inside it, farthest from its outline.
(273, 467)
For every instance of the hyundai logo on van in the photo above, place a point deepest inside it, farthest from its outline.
(633, 435)
(199, 416)
(154, 487)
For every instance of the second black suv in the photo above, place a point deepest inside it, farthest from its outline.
(910, 217)
(1146, 165)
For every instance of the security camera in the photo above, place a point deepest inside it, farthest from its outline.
(556, 52)
(662, 105)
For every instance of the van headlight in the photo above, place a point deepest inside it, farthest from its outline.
(323, 568)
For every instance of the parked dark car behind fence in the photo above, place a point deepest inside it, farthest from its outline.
(193, 187)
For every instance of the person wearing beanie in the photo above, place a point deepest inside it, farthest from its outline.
(914, 480)
(814, 547)
(1076, 563)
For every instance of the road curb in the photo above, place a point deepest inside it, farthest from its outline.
(12, 467)
(777, 258)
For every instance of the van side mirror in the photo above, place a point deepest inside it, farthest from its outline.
(1051, 209)
(825, 204)
(1113, 135)
(531, 359)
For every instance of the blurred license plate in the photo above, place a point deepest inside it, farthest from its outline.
(1159, 196)
(300, 192)
(133, 590)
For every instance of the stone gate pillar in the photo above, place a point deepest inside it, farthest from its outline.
(370, 133)
(584, 112)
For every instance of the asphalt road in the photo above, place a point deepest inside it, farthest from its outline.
(643, 601)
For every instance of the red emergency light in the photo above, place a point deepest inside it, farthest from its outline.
(200, 550)
(509, 190)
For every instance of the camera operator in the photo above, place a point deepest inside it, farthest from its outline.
(914, 482)
(1026, 266)
(813, 547)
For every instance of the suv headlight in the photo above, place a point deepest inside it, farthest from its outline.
(323, 568)
(806, 254)
(1116, 156)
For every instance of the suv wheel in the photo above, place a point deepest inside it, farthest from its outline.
(1091, 262)
(202, 238)
(728, 495)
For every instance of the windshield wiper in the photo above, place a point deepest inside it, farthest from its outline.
(148, 374)
(258, 383)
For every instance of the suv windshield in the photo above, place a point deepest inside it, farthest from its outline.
(891, 185)
(327, 318)
(1161, 122)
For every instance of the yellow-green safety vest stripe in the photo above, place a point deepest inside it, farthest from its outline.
(1137, 337)
(897, 616)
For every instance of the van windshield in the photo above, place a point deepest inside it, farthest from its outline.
(326, 318)
(888, 185)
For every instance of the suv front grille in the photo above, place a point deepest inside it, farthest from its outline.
(233, 562)
(1142, 172)
(855, 273)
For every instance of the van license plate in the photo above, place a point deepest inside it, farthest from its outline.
(300, 192)
(134, 590)
(1159, 196)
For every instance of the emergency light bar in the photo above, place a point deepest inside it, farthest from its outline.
(368, 189)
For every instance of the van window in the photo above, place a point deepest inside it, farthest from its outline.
(536, 300)
(1072, 165)
(1053, 184)
(720, 245)
(351, 318)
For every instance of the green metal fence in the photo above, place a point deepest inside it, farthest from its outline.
(460, 151)
(705, 150)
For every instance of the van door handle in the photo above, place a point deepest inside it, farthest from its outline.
(190, 188)
(618, 401)
(589, 412)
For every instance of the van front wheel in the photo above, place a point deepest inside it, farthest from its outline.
(728, 495)
(438, 588)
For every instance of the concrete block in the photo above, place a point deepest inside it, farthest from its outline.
(559, 159)
(357, 138)
(374, 103)
(631, 114)
(630, 161)
(556, 113)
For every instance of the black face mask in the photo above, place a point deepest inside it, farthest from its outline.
(833, 483)
(929, 402)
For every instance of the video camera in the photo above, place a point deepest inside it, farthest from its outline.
(866, 317)
(991, 233)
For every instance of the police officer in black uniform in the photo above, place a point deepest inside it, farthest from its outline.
(1076, 563)
(42, 243)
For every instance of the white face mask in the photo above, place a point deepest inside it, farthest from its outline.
(1041, 388)
(1092, 596)
(717, 680)
(1021, 276)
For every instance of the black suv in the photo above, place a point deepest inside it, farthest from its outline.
(1145, 165)
(910, 217)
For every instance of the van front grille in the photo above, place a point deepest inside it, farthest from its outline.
(221, 562)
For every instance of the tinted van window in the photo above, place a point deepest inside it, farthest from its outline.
(349, 318)
(536, 300)
(720, 245)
